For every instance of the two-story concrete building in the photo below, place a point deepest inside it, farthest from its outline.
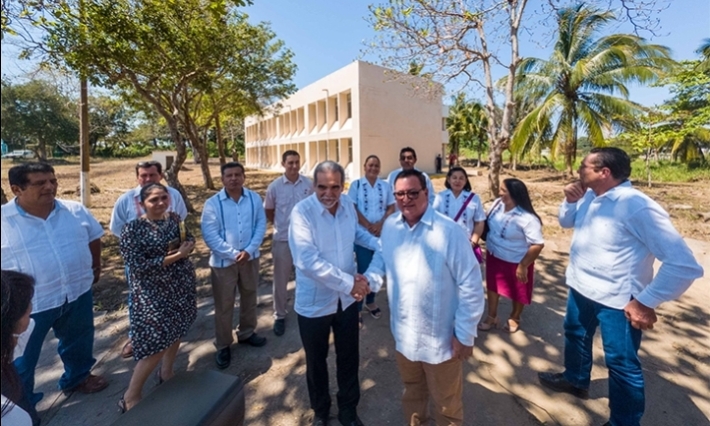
(358, 110)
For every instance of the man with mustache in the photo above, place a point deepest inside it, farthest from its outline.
(322, 235)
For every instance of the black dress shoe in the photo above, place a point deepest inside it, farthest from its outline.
(558, 383)
(223, 357)
(351, 422)
(319, 421)
(254, 340)
(280, 327)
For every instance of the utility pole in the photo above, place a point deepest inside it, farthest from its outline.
(84, 184)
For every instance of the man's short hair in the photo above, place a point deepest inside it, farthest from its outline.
(231, 165)
(408, 149)
(329, 166)
(413, 172)
(614, 159)
(19, 175)
(149, 164)
(288, 153)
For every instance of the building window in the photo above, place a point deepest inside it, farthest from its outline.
(350, 148)
(336, 110)
(350, 106)
(443, 123)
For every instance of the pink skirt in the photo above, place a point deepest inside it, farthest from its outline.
(501, 279)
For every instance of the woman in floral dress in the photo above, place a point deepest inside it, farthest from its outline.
(162, 299)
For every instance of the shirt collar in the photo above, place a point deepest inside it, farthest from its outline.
(286, 181)
(427, 219)
(614, 193)
(223, 194)
(20, 211)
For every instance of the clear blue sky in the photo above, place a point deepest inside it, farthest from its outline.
(326, 35)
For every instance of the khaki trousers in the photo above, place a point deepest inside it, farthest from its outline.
(444, 382)
(225, 282)
(283, 265)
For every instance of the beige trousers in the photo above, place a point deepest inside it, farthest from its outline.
(225, 283)
(444, 382)
(283, 265)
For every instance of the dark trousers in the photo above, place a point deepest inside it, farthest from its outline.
(315, 333)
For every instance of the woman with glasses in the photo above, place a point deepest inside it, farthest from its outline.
(162, 299)
(374, 203)
(462, 205)
(513, 243)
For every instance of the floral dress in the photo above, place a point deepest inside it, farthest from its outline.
(162, 302)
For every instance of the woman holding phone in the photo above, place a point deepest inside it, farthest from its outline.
(162, 298)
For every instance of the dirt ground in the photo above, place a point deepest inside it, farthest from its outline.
(503, 373)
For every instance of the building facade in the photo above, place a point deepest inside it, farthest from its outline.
(359, 110)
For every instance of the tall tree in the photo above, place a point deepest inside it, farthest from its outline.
(467, 124)
(172, 54)
(36, 115)
(576, 88)
(704, 51)
(463, 41)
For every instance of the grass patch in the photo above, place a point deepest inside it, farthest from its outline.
(670, 171)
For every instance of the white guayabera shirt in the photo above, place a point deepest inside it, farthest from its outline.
(322, 247)
(434, 285)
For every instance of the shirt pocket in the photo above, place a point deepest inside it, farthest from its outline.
(305, 293)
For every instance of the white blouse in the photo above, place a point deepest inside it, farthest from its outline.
(371, 201)
(450, 205)
(511, 233)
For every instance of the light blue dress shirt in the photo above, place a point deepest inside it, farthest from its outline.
(434, 285)
(322, 247)
(229, 227)
(617, 237)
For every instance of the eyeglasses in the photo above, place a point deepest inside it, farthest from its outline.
(412, 194)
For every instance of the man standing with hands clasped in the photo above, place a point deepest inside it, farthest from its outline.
(322, 235)
(436, 299)
(618, 233)
(233, 227)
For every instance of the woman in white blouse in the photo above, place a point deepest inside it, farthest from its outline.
(374, 201)
(462, 205)
(513, 243)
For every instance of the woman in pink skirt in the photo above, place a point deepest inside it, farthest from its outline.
(513, 243)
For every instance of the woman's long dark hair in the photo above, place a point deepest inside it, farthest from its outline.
(519, 193)
(17, 292)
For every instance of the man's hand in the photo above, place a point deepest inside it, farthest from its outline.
(361, 287)
(242, 258)
(97, 273)
(461, 351)
(639, 315)
(375, 229)
(574, 191)
(521, 273)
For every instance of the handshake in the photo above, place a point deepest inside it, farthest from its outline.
(361, 287)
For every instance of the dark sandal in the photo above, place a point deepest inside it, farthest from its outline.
(360, 322)
(158, 378)
(376, 313)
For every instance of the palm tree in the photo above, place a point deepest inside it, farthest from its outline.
(466, 124)
(576, 89)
